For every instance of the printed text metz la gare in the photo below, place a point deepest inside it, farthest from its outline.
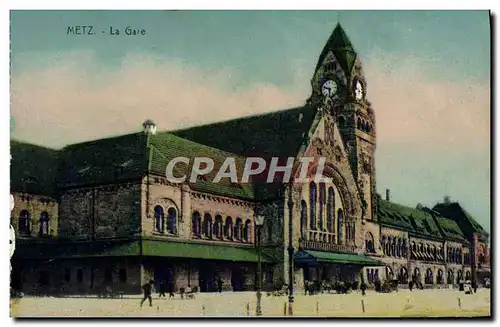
(111, 30)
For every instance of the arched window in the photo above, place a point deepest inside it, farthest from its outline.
(196, 224)
(269, 225)
(434, 253)
(388, 246)
(459, 276)
(393, 247)
(369, 243)
(171, 221)
(428, 251)
(228, 228)
(218, 227)
(403, 275)
(340, 218)
(429, 278)
(413, 250)
(467, 275)
(159, 219)
(440, 276)
(416, 275)
(207, 226)
(312, 203)
(347, 232)
(24, 222)
(341, 122)
(247, 231)
(44, 223)
(451, 276)
(330, 210)
(322, 198)
(237, 229)
(303, 219)
(382, 244)
(388, 273)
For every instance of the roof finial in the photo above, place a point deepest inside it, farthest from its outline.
(338, 17)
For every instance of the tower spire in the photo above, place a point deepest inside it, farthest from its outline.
(340, 45)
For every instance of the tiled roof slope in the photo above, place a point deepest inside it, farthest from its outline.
(103, 161)
(275, 134)
(33, 168)
(466, 222)
(448, 227)
(166, 146)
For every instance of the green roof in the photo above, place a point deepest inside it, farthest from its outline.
(395, 215)
(166, 146)
(201, 251)
(449, 228)
(306, 256)
(410, 219)
(274, 134)
(104, 161)
(466, 222)
(33, 168)
(340, 45)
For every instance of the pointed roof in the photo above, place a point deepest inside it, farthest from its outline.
(341, 47)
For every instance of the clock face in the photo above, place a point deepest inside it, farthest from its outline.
(358, 91)
(329, 88)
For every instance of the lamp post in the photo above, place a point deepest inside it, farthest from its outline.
(290, 253)
(259, 222)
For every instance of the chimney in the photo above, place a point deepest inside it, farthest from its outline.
(447, 199)
(387, 194)
(149, 127)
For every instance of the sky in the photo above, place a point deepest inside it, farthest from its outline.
(428, 78)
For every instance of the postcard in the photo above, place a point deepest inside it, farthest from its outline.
(183, 163)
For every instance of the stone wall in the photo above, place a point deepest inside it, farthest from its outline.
(35, 205)
(111, 211)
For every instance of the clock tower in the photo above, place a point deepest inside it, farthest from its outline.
(339, 87)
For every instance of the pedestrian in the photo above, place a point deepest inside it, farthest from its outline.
(410, 285)
(363, 288)
(162, 289)
(474, 285)
(219, 284)
(171, 289)
(147, 289)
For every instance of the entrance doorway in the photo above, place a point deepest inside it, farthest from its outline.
(238, 279)
(207, 279)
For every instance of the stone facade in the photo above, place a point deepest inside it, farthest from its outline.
(339, 215)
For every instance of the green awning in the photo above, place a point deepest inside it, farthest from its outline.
(310, 256)
(60, 250)
(201, 251)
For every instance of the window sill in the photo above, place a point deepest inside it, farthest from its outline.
(165, 234)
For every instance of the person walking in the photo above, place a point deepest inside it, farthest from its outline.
(363, 288)
(219, 284)
(147, 289)
(162, 289)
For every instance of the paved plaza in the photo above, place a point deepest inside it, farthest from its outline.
(424, 303)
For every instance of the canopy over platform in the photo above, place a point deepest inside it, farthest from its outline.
(310, 257)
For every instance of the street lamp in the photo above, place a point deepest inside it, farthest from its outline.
(259, 222)
(291, 252)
